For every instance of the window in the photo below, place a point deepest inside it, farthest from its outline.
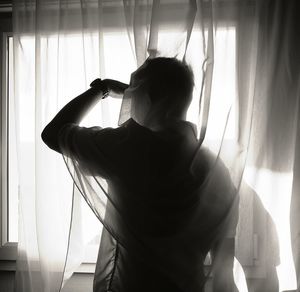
(223, 68)
(112, 41)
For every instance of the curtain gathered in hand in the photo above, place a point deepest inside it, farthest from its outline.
(244, 56)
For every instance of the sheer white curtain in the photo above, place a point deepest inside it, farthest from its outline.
(244, 58)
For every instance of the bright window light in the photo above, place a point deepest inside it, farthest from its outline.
(13, 185)
(118, 64)
(275, 191)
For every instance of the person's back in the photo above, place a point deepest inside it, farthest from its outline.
(157, 196)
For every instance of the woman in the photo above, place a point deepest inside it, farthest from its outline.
(170, 202)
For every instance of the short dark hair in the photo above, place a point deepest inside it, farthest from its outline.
(169, 78)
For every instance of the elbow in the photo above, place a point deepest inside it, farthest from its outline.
(44, 136)
(50, 138)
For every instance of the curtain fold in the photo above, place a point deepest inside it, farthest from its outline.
(244, 55)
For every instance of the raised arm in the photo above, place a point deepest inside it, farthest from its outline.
(76, 109)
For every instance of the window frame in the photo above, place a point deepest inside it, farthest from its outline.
(8, 250)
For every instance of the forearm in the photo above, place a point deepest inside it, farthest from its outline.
(73, 112)
(223, 257)
(223, 279)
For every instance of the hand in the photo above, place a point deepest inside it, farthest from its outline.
(116, 88)
(110, 87)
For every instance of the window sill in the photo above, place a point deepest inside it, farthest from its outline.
(10, 266)
(89, 268)
(86, 268)
(9, 251)
(8, 257)
(7, 266)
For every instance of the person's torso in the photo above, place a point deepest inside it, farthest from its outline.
(159, 196)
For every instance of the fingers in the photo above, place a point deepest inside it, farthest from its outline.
(96, 82)
(110, 87)
(116, 86)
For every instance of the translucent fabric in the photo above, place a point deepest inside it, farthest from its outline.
(244, 56)
(156, 205)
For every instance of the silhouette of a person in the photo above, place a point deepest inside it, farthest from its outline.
(176, 196)
(268, 255)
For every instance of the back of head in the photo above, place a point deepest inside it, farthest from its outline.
(169, 80)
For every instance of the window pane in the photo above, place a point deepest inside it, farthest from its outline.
(13, 183)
